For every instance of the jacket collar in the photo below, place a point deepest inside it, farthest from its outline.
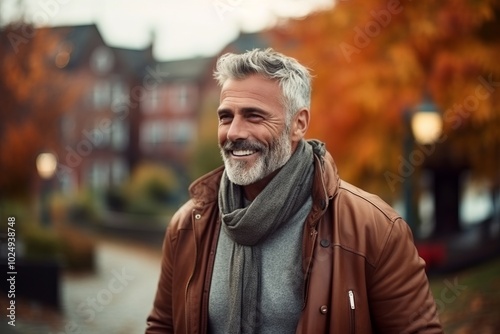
(205, 190)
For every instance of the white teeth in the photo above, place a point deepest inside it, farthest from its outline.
(243, 153)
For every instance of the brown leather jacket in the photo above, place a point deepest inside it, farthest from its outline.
(363, 273)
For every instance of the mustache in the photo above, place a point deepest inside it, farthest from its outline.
(242, 145)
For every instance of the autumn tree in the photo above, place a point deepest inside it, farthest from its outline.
(33, 95)
(374, 59)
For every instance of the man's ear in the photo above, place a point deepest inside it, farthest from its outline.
(300, 124)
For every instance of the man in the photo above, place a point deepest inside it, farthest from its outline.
(274, 241)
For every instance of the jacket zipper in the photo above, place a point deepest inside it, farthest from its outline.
(352, 308)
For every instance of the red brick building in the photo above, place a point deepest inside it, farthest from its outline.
(132, 108)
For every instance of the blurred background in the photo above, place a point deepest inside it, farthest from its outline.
(107, 114)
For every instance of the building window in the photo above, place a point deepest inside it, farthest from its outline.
(151, 100)
(101, 94)
(181, 131)
(102, 60)
(98, 175)
(119, 134)
(119, 172)
(153, 134)
(119, 91)
(99, 135)
(157, 133)
(181, 97)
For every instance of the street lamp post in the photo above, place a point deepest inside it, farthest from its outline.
(408, 183)
(424, 126)
(46, 164)
(426, 123)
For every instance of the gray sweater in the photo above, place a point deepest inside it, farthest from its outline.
(281, 279)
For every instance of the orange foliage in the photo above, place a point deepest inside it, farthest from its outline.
(373, 58)
(33, 96)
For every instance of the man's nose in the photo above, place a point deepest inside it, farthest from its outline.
(238, 129)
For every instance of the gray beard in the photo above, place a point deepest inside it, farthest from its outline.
(239, 172)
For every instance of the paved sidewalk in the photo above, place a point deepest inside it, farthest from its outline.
(116, 299)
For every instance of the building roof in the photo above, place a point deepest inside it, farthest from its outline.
(134, 61)
(185, 69)
(77, 39)
(82, 39)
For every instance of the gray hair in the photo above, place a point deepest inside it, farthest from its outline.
(293, 78)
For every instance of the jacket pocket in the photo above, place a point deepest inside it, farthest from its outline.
(352, 311)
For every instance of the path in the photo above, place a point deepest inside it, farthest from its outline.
(116, 299)
(119, 297)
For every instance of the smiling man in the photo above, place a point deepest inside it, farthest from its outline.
(254, 131)
(274, 241)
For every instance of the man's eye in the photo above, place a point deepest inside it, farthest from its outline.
(255, 117)
(224, 119)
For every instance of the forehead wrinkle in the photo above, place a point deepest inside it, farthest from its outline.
(250, 100)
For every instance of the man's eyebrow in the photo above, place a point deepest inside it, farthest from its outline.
(253, 109)
(224, 111)
(245, 110)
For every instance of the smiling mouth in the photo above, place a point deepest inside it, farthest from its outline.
(243, 153)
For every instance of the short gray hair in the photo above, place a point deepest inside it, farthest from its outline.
(293, 78)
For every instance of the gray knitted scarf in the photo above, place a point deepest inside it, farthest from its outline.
(248, 226)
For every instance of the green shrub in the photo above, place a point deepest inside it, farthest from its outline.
(83, 207)
(78, 250)
(153, 181)
(41, 243)
(153, 189)
(146, 206)
(75, 249)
